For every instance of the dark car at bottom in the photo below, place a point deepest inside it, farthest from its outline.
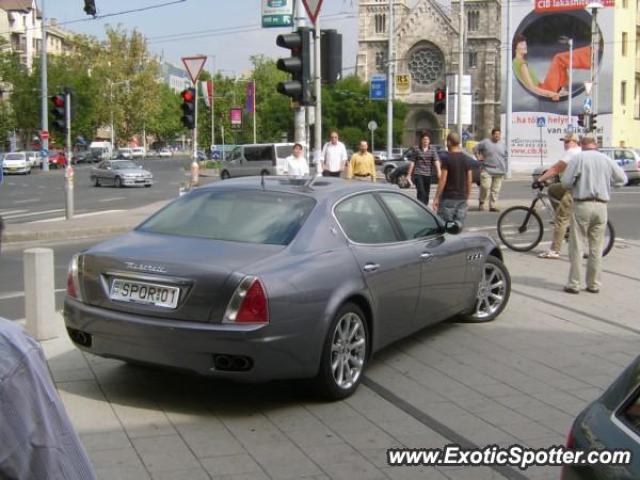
(264, 278)
(611, 422)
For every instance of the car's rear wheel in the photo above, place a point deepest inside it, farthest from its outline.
(344, 354)
(224, 175)
(117, 182)
(493, 291)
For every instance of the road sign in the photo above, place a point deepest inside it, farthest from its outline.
(378, 87)
(277, 13)
(587, 87)
(403, 83)
(587, 105)
(372, 125)
(194, 66)
(313, 9)
(44, 135)
(541, 122)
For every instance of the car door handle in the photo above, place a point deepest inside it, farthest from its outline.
(426, 255)
(371, 267)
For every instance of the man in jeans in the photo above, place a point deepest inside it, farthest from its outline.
(492, 154)
(589, 175)
(560, 194)
(454, 184)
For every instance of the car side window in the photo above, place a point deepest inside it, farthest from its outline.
(364, 221)
(630, 413)
(414, 220)
(252, 154)
(235, 154)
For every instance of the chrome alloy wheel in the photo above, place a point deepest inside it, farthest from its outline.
(348, 350)
(492, 291)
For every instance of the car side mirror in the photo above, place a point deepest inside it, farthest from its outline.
(453, 227)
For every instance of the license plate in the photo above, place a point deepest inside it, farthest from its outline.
(144, 293)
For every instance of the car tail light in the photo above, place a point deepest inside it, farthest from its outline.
(249, 303)
(570, 444)
(73, 281)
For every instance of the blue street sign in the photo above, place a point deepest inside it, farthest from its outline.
(216, 155)
(541, 122)
(378, 87)
(587, 105)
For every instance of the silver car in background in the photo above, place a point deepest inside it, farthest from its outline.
(120, 173)
(264, 278)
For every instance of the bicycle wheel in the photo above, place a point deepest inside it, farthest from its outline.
(520, 228)
(609, 239)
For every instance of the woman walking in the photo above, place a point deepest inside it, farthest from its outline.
(424, 162)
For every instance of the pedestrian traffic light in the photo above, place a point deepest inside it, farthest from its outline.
(593, 121)
(440, 100)
(331, 56)
(298, 65)
(58, 112)
(189, 107)
(90, 7)
(581, 120)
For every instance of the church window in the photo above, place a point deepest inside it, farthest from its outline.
(473, 20)
(426, 64)
(380, 21)
(472, 59)
(381, 61)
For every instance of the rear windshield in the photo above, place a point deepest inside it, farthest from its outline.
(241, 216)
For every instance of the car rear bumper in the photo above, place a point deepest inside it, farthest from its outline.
(188, 345)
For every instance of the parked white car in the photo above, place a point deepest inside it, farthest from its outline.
(165, 152)
(125, 153)
(16, 162)
(138, 152)
(34, 159)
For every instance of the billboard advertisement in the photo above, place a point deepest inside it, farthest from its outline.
(540, 58)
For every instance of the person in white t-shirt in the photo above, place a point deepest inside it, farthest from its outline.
(561, 194)
(334, 156)
(297, 165)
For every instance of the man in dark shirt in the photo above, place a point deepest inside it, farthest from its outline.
(454, 184)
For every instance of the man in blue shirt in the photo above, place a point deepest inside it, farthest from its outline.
(37, 440)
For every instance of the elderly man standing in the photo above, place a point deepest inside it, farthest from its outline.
(334, 156)
(589, 175)
(492, 154)
(362, 166)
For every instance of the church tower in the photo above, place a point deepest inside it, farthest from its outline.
(426, 51)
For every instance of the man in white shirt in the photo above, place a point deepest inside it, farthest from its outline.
(334, 156)
(297, 165)
(561, 194)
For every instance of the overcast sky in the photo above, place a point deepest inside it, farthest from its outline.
(229, 30)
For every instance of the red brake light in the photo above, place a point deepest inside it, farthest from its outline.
(254, 307)
(73, 280)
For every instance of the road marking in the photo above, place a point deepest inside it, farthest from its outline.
(112, 199)
(9, 212)
(32, 214)
(81, 215)
(11, 295)
(479, 229)
(29, 200)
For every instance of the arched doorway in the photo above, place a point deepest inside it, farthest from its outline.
(418, 122)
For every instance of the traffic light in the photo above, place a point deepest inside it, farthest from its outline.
(587, 123)
(331, 56)
(593, 121)
(298, 65)
(189, 107)
(90, 7)
(58, 112)
(440, 100)
(581, 120)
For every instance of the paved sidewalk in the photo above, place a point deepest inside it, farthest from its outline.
(521, 379)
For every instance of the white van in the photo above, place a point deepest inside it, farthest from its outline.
(256, 159)
(101, 150)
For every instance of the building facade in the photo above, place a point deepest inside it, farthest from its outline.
(177, 78)
(426, 50)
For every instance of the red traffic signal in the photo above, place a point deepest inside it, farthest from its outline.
(440, 100)
(58, 112)
(187, 95)
(188, 107)
(58, 101)
(439, 95)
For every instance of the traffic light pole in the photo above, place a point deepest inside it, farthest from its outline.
(317, 131)
(299, 115)
(68, 172)
(44, 111)
(390, 87)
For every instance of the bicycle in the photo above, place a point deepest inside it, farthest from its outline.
(521, 228)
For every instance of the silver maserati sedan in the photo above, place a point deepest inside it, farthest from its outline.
(268, 278)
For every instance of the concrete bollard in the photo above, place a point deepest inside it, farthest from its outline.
(39, 295)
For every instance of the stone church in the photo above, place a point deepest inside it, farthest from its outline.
(426, 49)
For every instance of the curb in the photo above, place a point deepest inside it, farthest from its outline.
(75, 233)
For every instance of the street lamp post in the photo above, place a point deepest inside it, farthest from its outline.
(593, 7)
(111, 85)
(569, 41)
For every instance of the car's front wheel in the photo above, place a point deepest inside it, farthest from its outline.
(344, 354)
(118, 182)
(493, 291)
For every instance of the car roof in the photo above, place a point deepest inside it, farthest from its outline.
(319, 187)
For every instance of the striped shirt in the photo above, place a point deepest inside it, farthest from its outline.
(424, 161)
(37, 440)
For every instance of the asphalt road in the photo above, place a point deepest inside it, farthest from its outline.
(41, 195)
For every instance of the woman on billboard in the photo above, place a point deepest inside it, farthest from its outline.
(557, 78)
